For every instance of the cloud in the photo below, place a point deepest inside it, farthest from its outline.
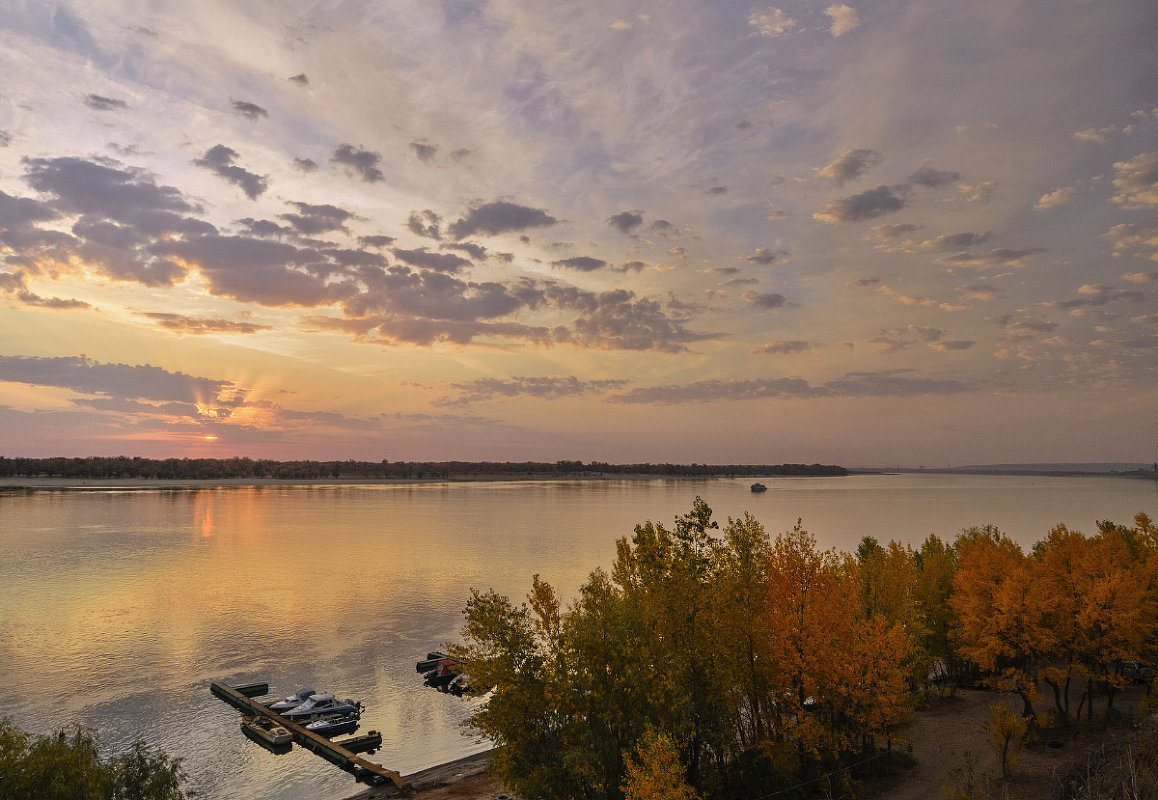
(100, 103)
(363, 163)
(118, 380)
(427, 223)
(951, 346)
(955, 241)
(219, 160)
(851, 165)
(625, 221)
(933, 178)
(475, 251)
(549, 387)
(979, 292)
(305, 165)
(1021, 330)
(250, 111)
(793, 348)
(580, 263)
(424, 151)
(1001, 257)
(13, 285)
(1096, 134)
(5, 138)
(765, 301)
(771, 22)
(844, 19)
(1137, 182)
(300, 79)
(498, 217)
(257, 270)
(1058, 197)
(861, 283)
(892, 383)
(708, 391)
(1134, 239)
(103, 189)
(181, 324)
(876, 202)
(377, 240)
(1096, 294)
(314, 219)
(768, 258)
(439, 262)
(716, 190)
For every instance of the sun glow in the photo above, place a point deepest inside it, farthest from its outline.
(209, 438)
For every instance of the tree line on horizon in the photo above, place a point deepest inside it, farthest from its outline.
(723, 663)
(98, 467)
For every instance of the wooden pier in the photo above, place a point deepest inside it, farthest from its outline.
(240, 697)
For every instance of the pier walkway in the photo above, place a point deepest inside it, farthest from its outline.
(240, 697)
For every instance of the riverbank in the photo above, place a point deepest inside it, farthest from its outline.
(945, 737)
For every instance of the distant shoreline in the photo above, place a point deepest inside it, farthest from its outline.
(137, 484)
(127, 484)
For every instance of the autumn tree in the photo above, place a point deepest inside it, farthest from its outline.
(1002, 622)
(1006, 734)
(655, 772)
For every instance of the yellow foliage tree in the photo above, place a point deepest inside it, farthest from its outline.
(654, 772)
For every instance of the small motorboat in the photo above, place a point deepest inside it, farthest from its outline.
(431, 661)
(267, 730)
(759, 487)
(293, 701)
(443, 673)
(334, 724)
(321, 705)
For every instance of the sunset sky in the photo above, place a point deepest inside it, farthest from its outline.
(910, 233)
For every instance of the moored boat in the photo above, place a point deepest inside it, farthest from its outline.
(293, 701)
(321, 705)
(334, 725)
(759, 487)
(267, 730)
(431, 661)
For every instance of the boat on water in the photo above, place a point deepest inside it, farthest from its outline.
(431, 661)
(267, 730)
(442, 674)
(759, 487)
(293, 701)
(334, 724)
(321, 705)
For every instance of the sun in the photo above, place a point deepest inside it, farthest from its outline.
(209, 438)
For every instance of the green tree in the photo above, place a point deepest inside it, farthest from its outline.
(66, 766)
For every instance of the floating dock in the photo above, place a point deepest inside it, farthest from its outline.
(241, 698)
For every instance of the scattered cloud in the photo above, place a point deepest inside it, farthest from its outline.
(771, 22)
(792, 348)
(1058, 197)
(1134, 239)
(300, 79)
(1001, 257)
(424, 151)
(100, 103)
(768, 258)
(250, 111)
(1137, 181)
(548, 387)
(870, 204)
(219, 160)
(626, 221)
(498, 217)
(310, 220)
(363, 163)
(851, 165)
(580, 263)
(305, 165)
(426, 223)
(765, 301)
(182, 324)
(844, 19)
(439, 262)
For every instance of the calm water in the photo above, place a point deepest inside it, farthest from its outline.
(117, 608)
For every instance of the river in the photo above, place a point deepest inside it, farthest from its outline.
(119, 606)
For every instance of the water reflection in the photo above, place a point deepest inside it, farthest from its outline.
(119, 608)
